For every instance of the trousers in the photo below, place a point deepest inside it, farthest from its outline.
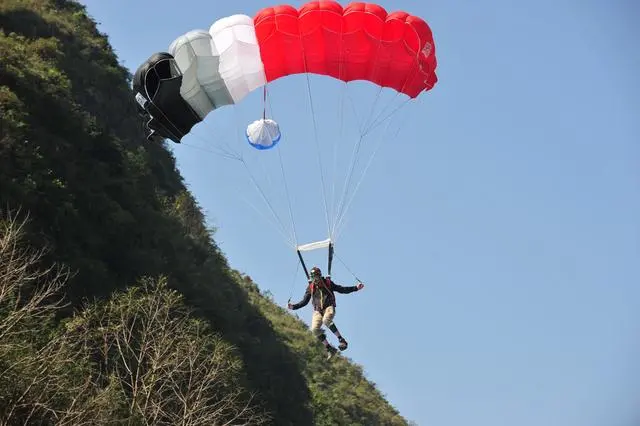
(318, 319)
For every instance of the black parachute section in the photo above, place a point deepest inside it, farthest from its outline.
(157, 85)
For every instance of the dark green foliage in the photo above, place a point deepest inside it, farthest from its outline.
(113, 208)
(140, 357)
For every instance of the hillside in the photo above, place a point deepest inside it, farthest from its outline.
(155, 328)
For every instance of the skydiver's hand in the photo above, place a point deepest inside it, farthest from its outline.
(289, 305)
(360, 286)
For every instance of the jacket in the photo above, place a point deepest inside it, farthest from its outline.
(322, 295)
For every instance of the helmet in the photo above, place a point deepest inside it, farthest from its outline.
(315, 272)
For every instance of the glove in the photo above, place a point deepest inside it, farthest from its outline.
(360, 285)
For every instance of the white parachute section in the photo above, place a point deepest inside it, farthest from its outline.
(202, 86)
(220, 66)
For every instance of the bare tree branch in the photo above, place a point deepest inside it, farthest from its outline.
(29, 292)
(171, 369)
(137, 358)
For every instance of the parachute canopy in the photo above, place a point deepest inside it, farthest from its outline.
(205, 70)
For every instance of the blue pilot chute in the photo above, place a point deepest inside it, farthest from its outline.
(263, 133)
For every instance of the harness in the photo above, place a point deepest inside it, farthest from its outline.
(327, 285)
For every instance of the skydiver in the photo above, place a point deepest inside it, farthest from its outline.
(321, 290)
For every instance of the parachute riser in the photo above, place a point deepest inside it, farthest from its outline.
(304, 266)
(329, 263)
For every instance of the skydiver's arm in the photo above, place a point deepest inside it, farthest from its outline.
(342, 289)
(304, 301)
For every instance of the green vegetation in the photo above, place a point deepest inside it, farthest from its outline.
(116, 305)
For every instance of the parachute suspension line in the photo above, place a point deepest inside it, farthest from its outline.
(352, 164)
(347, 268)
(213, 129)
(345, 188)
(226, 153)
(334, 213)
(406, 80)
(357, 146)
(343, 208)
(348, 202)
(390, 103)
(286, 188)
(315, 133)
(391, 114)
(238, 157)
(338, 141)
(220, 151)
(373, 108)
(258, 187)
(353, 109)
(281, 229)
(315, 130)
(284, 179)
(293, 282)
(372, 77)
(222, 154)
(261, 213)
(356, 150)
(266, 200)
(374, 73)
(377, 148)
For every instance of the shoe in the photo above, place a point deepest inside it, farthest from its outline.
(343, 344)
(331, 351)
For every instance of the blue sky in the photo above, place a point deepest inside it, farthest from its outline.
(498, 233)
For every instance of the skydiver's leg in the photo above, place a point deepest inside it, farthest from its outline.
(327, 319)
(316, 324)
(316, 328)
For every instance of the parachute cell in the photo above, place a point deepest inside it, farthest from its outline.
(157, 83)
(241, 68)
(202, 86)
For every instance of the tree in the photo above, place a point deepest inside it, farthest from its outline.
(171, 367)
(138, 357)
(42, 380)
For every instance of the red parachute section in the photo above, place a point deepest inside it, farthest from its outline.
(358, 42)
